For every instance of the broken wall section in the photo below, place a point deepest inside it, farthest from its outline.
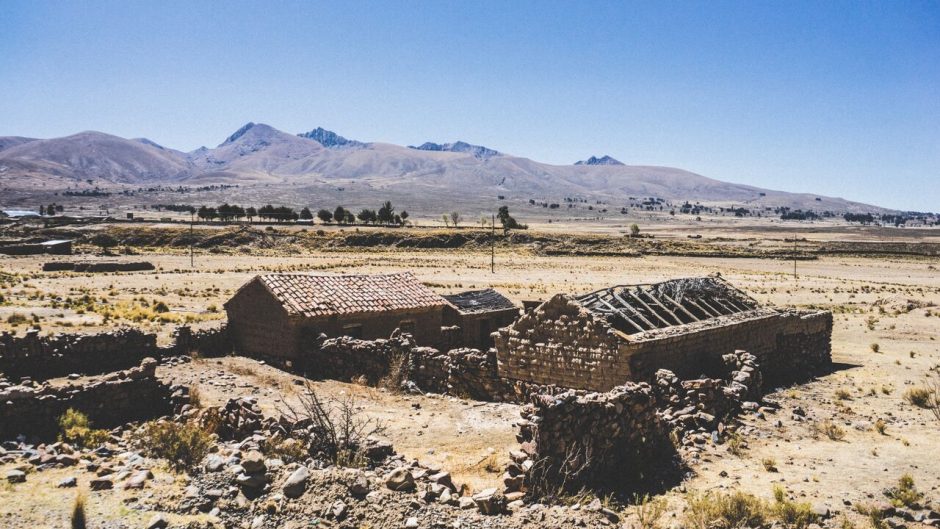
(109, 401)
(622, 439)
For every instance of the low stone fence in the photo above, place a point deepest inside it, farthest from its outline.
(129, 395)
(43, 357)
(97, 267)
(207, 343)
(611, 440)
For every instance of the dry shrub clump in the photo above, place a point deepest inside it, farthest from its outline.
(330, 429)
(830, 429)
(78, 519)
(922, 397)
(739, 509)
(649, 511)
(905, 494)
(76, 429)
(183, 445)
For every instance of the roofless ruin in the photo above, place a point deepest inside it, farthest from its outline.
(626, 332)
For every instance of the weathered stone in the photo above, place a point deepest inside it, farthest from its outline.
(102, 483)
(490, 501)
(253, 462)
(296, 483)
(400, 480)
(16, 476)
(157, 521)
(68, 482)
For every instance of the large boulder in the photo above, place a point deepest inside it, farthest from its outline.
(296, 483)
(400, 480)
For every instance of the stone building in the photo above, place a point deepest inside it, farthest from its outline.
(479, 313)
(279, 316)
(625, 333)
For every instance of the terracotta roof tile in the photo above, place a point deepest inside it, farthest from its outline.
(322, 295)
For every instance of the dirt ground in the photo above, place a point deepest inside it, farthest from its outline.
(885, 309)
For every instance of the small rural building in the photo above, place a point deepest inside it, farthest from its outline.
(626, 333)
(479, 313)
(278, 316)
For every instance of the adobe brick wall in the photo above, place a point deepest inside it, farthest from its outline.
(42, 357)
(108, 401)
(260, 327)
(563, 344)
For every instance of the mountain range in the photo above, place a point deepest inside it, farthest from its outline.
(261, 154)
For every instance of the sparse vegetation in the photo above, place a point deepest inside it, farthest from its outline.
(78, 518)
(920, 396)
(905, 493)
(75, 428)
(183, 445)
(831, 430)
(649, 511)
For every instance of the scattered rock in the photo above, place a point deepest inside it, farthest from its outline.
(400, 480)
(158, 521)
(16, 476)
(296, 483)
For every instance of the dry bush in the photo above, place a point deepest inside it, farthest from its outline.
(920, 397)
(843, 394)
(905, 494)
(736, 444)
(397, 373)
(874, 514)
(831, 430)
(183, 445)
(76, 429)
(725, 511)
(649, 511)
(881, 426)
(195, 396)
(330, 428)
(770, 465)
(78, 519)
(794, 515)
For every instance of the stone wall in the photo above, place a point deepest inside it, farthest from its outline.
(561, 343)
(97, 267)
(42, 357)
(207, 343)
(617, 439)
(108, 401)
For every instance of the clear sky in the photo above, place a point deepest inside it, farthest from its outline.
(836, 98)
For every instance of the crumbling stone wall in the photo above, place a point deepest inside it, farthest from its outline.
(42, 357)
(618, 438)
(108, 401)
(562, 343)
(207, 343)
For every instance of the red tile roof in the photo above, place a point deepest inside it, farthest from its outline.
(312, 295)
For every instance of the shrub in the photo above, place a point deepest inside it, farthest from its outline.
(725, 511)
(881, 426)
(75, 428)
(875, 347)
(905, 494)
(78, 512)
(843, 394)
(829, 429)
(649, 511)
(183, 445)
(919, 397)
(792, 514)
(16, 319)
(333, 429)
(769, 465)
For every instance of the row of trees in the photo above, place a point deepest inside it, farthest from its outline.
(384, 215)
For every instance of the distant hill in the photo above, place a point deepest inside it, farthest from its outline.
(259, 154)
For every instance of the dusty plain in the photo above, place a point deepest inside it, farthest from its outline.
(884, 343)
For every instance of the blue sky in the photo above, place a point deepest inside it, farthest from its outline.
(837, 98)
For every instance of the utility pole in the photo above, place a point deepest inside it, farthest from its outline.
(192, 239)
(794, 257)
(493, 245)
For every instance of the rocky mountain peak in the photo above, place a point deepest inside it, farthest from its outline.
(328, 138)
(603, 160)
(478, 151)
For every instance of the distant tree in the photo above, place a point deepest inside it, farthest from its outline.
(305, 214)
(42, 209)
(50, 209)
(340, 214)
(325, 216)
(634, 230)
(508, 222)
(367, 216)
(454, 218)
(446, 220)
(398, 220)
(251, 213)
(238, 212)
(386, 213)
(104, 241)
(404, 215)
(349, 217)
